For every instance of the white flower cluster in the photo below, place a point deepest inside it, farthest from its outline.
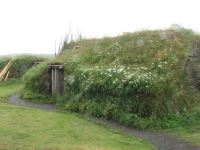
(120, 75)
(162, 63)
(70, 79)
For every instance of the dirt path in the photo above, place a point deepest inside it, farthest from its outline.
(160, 140)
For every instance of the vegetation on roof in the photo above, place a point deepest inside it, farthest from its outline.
(146, 74)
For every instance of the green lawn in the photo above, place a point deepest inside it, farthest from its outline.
(28, 128)
(8, 88)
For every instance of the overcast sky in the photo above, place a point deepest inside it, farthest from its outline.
(34, 26)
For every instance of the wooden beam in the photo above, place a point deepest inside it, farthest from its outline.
(7, 75)
(5, 69)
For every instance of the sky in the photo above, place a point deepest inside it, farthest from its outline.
(38, 26)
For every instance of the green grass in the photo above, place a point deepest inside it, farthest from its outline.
(191, 134)
(194, 137)
(35, 129)
(9, 88)
(25, 128)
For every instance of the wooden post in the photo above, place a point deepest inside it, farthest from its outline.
(7, 75)
(5, 69)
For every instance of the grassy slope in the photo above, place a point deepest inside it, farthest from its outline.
(159, 57)
(25, 128)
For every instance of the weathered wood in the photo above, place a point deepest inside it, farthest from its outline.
(7, 75)
(5, 69)
(55, 66)
(57, 77)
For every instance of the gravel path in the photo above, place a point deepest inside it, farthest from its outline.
(19, 102)
(160, 140)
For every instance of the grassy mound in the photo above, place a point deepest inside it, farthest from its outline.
(20, 64)
(145, 74)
